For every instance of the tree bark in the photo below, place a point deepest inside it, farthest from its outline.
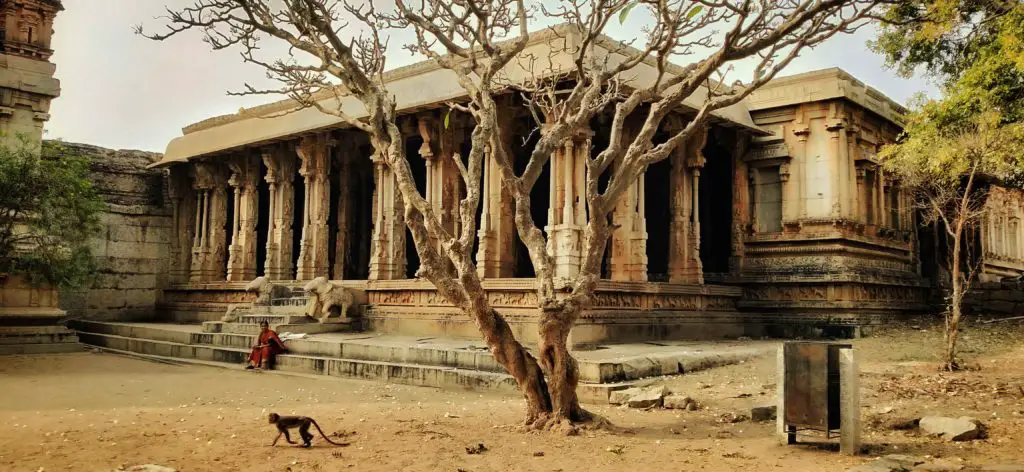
(953, 318)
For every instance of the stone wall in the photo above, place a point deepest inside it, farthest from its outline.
(998, 299)
(132, 249)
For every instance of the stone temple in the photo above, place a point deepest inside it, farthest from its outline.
(779, 221)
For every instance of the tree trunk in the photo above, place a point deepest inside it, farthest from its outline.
(561, 369)
(953, 316)
(520, 364)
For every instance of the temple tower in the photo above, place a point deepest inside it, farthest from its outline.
(26, 75)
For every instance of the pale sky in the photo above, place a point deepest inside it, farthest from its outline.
(122, 91)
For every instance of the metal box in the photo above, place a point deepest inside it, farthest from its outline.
(812, 385)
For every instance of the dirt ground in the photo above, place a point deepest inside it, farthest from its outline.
(96, 412)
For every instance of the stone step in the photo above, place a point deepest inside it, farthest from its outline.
(43, 348)
(254, 328)
(386, 371)
(275, 319)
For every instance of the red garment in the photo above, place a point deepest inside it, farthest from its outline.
(267, 346)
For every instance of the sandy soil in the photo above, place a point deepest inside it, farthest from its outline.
(95, 412)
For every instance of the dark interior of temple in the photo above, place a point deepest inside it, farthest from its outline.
(297, 215)
(262, 220)
(715, 206)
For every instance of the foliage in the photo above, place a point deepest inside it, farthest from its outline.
(48, 211)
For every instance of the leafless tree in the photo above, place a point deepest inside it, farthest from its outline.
(344, 46)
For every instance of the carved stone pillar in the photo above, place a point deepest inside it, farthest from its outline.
(862, 204)
(496, 252)
(802, 130)
(245, 177)
(346, 200)
(209, 249)
(567, 212)
(840, 178)
(439, 150)
(280, 174)
(629, 239)
(741, 200)
(314, 155)
(695, 161)
(183, 203)
(684, 265)
(387, 261)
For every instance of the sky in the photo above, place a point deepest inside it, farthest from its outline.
(122, 91)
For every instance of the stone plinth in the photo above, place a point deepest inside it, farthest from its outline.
(21, 303)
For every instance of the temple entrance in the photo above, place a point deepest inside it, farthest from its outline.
(715, 208)
(657, 198)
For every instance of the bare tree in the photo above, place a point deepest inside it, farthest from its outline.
(344, 49)
(948, 165)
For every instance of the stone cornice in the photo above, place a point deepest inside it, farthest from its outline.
(821, 85)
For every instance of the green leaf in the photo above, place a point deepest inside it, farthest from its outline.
(447, 118)
(693, 12)
(625, 12)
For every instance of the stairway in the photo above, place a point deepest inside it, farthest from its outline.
(37, 340)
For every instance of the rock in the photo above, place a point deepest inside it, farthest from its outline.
(648, 398)
(763, 413)
(147, 468)
(1003, 468)
(692, 406)
(476, 449)
(620, 397)
(905, 461)
(881, 465)
(732, 418)
(677, 401)
(939, 466)
(953, 429)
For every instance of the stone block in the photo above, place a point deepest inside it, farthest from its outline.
(1000, 306)
(649, 397)
(677, 401)
(620, 397)
(952, 429)
(763, 413)
(905, 461)
(940, 465)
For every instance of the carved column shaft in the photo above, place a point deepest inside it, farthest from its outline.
(314, 154)
(280, 175)
(388, 259)
(344, 208)
(242, 252)
(564, 232)
(496, 252)
(183, 201)
(209, 250)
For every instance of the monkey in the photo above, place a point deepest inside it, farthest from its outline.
(284, 423)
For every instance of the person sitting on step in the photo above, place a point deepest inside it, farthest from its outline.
(267, 347)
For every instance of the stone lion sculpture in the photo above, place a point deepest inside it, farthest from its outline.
(328, 296)
(267, 291)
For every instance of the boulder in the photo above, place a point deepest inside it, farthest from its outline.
(648, 398)
(763, 413)
(880, 465)
(677, 401)
(952, 429)
(620, 397)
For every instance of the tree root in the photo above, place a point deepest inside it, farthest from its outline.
(586, 421)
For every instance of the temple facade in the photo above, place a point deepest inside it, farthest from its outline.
(777, 220)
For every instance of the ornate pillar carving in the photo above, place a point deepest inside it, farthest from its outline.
(183, 203)
(439, 150)
(801, 129)
(741, 198)
(684, 264)
(244, 180)
(836, 125)
(495, 255)
(387, 260)
(629, 238)
(344, 154)
(280, 175)
(314, 154)
(209, 248)
(567, 213)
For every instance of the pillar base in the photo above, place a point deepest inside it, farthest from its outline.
(564, 245)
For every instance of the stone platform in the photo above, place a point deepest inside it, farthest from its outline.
(426, 361)
(37, 340)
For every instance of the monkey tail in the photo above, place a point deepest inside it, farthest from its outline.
(322, 435)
